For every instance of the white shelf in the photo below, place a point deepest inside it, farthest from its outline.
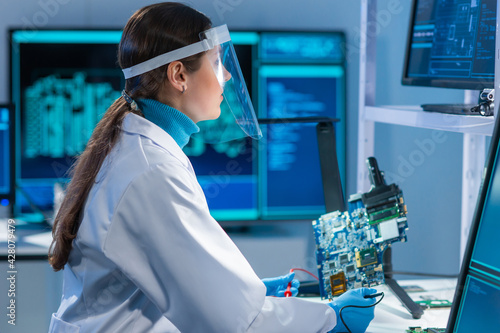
(474, 128)
(414, 116)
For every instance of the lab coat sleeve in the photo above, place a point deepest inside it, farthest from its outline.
(293, 314)
(163, 238)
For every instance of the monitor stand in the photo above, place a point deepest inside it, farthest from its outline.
(415, 310)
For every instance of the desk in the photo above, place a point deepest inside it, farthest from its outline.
(32, 240)
(392, 317)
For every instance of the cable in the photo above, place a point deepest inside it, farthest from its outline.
(357, 306)
(288, 292)
(451, 276)
(347, 306)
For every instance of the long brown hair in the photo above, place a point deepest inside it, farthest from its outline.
(151, 31)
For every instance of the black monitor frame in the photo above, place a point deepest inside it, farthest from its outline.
(12, 151)
(493, 157)
(457, 83)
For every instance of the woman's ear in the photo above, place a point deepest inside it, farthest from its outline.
(176, 74)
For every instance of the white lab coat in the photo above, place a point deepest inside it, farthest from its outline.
(148, 256)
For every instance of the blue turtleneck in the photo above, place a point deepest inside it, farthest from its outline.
(177, 124)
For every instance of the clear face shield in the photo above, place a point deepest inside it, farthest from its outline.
(237, 118)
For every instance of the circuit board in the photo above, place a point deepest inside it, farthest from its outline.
(434, 303)
(350, 244)
(419, 329)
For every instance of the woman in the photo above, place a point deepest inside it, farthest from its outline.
(140, 250)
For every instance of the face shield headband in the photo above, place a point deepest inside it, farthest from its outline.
(237, 119)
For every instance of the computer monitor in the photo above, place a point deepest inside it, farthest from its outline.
(62, 81)
(7, 147)
(301, 75)
(476, 305)
(451, 44)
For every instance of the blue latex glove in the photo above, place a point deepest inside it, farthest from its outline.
(277, 286)
(357, 319)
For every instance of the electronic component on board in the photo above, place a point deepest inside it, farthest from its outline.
(338, 284)
(434, 303)
(366, 257)
(350, 245)
(418, 329)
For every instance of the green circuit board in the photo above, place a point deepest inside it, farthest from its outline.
(419, 329)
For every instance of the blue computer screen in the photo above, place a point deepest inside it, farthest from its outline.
(64, 80)
(290, 167)
(62, 83)
(5, 155)
(451, 43)
(480, 305)
(296, 47)
(489, 228)
(227, 173)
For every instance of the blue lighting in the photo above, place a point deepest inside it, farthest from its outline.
(70, 36)
(5, 202)
(243, 38)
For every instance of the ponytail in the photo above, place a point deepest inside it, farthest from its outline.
(84, 173)
(151, 31)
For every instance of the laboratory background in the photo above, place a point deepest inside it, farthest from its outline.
(429, 174)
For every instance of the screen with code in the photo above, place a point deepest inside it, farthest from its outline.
(477, 301)
(451, 43)
(290, 167)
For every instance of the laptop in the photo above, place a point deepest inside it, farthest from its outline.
(476, 304)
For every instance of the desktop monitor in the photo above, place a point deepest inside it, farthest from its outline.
(7, 147)
(476, 305)
(300, 75)
(451, 44)
(62, 81)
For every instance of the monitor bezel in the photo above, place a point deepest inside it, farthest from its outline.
(476, 220)
(470, 84)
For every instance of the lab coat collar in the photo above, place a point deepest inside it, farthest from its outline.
(138, 125)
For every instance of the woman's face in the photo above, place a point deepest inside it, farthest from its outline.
(203, 94)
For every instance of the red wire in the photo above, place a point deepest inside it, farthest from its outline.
(306, 271)
(288, 292)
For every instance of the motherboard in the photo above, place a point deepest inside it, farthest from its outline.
(350, 245)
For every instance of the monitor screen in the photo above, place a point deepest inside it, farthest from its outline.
(6, 155)
(451, 44)
(290, 151)
(301, 75)
(64, 80)
(477, 299)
